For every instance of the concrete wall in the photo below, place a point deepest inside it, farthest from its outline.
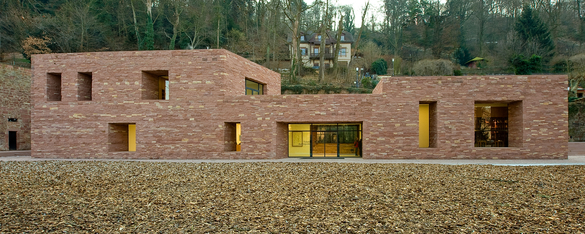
(15, 103)
(207, 94)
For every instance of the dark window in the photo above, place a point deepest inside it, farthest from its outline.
(12, 120)
(12, 140)
(121, 137)
(254, 88)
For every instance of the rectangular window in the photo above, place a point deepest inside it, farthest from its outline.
(315, 50)
(12, 140)
(53, 86)
(302, 38)
(319, 37)
(233, 137)
(342, 52)
(254, 88)
(427, 124)
(121, 137)
(342, 37)
(303, 51)
(155, 85)
(491, 124)
(84, 81)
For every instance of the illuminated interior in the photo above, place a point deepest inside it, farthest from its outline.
(325, 140)
(423, 125)
(254, 88)
(491, 124)
(131, 137)
(163, 88)
(238, 137)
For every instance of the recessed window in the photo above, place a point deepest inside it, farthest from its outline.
(342, 52)
(12, 120)
(233, 137)
(53, 86)
(319, 37)
(342, 37)
(302, 38)
(121, 137)
(155, 85)
(427, 124)
(491, 124)
(84, 81)
(303, 51)
(254, 88)
(315, 50)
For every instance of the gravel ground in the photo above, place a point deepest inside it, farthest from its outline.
(110, 197)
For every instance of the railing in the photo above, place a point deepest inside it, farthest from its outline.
(317, 55)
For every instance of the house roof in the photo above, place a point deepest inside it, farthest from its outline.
(312, 38)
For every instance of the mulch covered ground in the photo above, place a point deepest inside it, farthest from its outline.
(142, 197)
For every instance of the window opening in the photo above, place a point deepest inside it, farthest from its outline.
(254, 88)
(121, 137)
(342, 37)
(342, 52)
(84, 83)
(53, 86)
(491, 124)
(155, 85)
(12, 140)
(427, 124)
(233, 137)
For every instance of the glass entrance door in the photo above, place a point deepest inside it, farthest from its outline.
(325, 140)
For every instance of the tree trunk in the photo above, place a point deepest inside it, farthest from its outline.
(323, 46)
(135, 25)
(357, 41)
(337, 42)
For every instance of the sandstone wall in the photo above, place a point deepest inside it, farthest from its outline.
(207, 91)
(15, 104)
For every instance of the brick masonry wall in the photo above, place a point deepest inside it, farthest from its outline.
(15, 103)
(207, 91)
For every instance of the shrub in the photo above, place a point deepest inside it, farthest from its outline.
(436, 67)
(380, 67)
(526, 66)
(367, 82)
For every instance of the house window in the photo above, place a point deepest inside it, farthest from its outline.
(342, 52)
(155, 85)
(84, 80)
(319, 37)
(53, 86)
(303, 51)
(121, 137)
(302, 38)
(579, 95)
(342, 37)
(315, 50)
(254, 88)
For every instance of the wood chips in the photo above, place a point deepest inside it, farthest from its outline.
(119, 196)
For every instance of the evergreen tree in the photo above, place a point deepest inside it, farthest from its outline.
(149, 37)
(534, 34)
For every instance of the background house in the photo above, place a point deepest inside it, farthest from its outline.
(310, 45)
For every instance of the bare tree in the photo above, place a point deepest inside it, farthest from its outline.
(357, 41)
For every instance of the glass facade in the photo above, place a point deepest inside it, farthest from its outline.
(254, 88)
(325, 140)
(491, 125)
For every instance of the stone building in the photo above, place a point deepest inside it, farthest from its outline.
(213, 104)
(14, 108)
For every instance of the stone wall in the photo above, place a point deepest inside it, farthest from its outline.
(207, 95)
(15, 104)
